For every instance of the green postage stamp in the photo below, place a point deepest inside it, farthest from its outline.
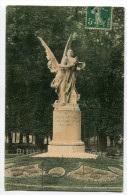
(99, 18)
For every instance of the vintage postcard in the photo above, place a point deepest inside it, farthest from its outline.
(64, 98)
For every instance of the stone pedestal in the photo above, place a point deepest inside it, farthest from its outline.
(66, 130)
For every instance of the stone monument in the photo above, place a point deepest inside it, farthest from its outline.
(66, 114)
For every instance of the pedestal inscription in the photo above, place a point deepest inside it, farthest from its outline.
(66, 126)
(65, 119)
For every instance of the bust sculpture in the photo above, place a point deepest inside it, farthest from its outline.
(66, 73)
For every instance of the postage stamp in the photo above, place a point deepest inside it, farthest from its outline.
(99, 18)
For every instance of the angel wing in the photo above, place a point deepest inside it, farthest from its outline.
(53, 64)
(67, 47)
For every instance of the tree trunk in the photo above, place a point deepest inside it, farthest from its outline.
(111, 141)
(102, 141)
(39, 142)
(21, 138)
(9, 145)
(27, 139)
(9, 138)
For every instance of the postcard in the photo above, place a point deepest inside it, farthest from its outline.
(64, 102)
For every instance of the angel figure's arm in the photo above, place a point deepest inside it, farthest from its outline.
(69, 62)
(81, 65)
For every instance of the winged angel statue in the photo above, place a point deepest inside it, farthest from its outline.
(66, 73)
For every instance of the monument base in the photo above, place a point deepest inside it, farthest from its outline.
(65, 149)
(66, 130)
(82, 155)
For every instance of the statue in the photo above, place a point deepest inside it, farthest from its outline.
(66, 73)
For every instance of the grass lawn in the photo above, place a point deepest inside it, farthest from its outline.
(63, 183)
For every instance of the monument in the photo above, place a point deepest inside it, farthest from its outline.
(66, 114)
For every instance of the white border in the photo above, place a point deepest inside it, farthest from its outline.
(3, 4)
(114, 3)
